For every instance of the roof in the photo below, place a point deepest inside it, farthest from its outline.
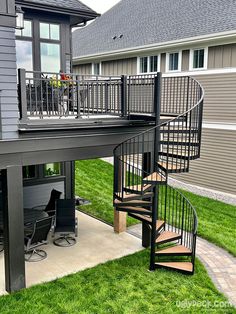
(146, 22)
(73, 5)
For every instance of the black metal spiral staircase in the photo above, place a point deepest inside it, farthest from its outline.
(142, 165)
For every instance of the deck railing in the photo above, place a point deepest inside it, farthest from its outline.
(57, 95)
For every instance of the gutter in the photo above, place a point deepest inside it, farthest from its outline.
(191, 41)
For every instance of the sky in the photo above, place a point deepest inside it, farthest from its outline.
(100, 6)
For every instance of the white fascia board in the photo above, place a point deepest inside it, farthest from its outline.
(217, 38)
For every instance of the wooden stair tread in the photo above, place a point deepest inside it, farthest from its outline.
(167, 236)
(171, 166)
(177, 249)
(155, 176)
(136, 209)
(159, 223)
(184, 266)
(131, 202)
(127, 196)
(139, 187)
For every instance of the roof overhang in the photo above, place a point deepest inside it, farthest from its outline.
(206, 40)
(76, 16)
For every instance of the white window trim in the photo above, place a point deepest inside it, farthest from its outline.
(168, 61)
(148, 64)
(100, 68)
(191, 52)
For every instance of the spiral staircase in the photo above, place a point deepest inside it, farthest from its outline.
(143, 163)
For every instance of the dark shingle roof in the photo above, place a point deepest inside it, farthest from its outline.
(144, 22)
(75, 5)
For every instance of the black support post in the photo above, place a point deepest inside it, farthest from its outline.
(156, 148)
(69, 168)
(13, 219)
(22, 95)
(124, 96)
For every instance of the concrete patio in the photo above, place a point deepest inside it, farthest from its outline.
(96, 243)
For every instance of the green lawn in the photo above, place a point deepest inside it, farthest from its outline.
(94, 181)
(123, 286)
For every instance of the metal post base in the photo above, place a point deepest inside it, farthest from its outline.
(35, 255)
(65, 241)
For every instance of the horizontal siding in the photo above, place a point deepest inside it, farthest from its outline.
(216, 169)
(8, 85)
(220, 97)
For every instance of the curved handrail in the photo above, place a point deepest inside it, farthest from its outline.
(171, 120)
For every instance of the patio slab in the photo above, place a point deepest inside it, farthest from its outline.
(96, 243)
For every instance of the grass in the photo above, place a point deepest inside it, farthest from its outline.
(122, 286)
(94, 181)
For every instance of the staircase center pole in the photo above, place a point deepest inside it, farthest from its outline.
(156, 143)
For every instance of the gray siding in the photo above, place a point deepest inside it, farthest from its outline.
(8, 85)
(185, 60)
(220, 97)
(119, 67)
(223, 56)
(216, 169)
(36, 195)
(83, 69)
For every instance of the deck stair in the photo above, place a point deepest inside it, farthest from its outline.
(141, 188)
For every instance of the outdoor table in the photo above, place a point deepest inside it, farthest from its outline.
(30, 216)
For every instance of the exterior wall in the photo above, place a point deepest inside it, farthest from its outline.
(36, 195)
(222, 56)
(185, 60)
(83, 69)
(216, 169)
(119, 67)
(7, 13)
(8, 85)
(220, 97)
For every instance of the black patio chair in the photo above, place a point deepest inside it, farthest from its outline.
(65, 223)
(37, 238)
(50, 208)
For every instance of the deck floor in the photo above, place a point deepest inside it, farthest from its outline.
(96, 243)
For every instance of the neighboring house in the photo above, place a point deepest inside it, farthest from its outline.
(178, 38)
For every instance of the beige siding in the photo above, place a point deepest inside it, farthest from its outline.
(216, 169)
(223, 56)
(119, 67)
(185, 60)
(83, 69)
(220, 97)
(163, 62)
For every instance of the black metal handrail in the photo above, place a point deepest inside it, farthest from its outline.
(170, 146)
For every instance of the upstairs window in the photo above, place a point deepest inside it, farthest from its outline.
(173, 62)
(96, 69)
(29, 172)
(148, 64)
(49, 31)
(53, 169)
(198, 59)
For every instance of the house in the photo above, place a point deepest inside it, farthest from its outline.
(178, 38)
(50, 118)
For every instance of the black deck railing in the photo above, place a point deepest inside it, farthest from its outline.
(48, 95)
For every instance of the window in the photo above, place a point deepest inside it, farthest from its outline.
(96, 68)
(198, 59)
(173, 62)
(148, 64)
(29, 172)
(144, 65)
(50, 57)
(24, 55)
(26, 31)
(49, 31)
(53, 169)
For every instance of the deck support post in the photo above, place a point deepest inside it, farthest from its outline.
(69, 167)
(13, 220)
(120, 218)
(146, 235)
